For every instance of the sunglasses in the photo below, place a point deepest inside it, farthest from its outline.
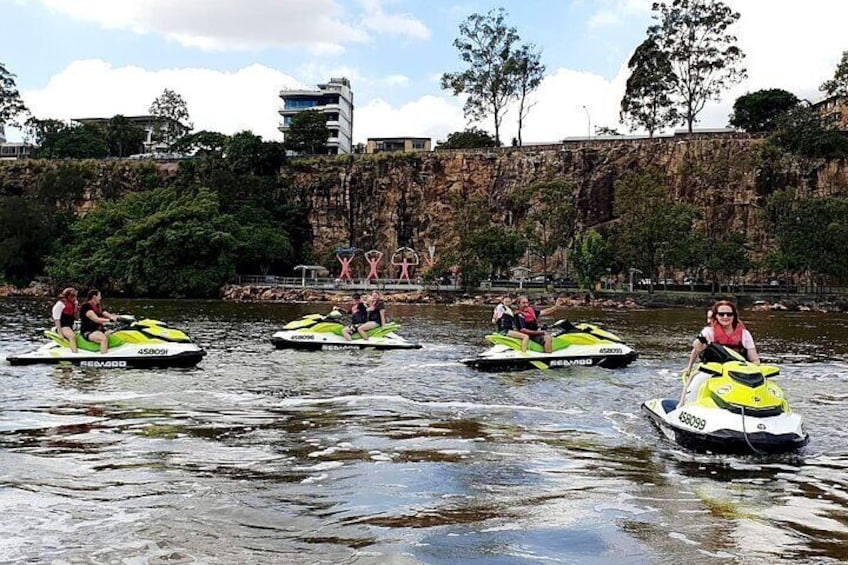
(724, 314)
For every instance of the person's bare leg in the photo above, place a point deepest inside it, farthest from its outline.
(549, 346)
(346, 333)
(100, 337)
(69, 334)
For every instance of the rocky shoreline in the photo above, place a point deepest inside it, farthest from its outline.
(801, 303)
(603, 300)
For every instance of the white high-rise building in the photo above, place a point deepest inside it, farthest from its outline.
(335, 100)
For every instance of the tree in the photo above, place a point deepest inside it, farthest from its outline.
(11, 105)
(759, 111)
(651, 224)
(123, 137)
(173, 118)
(647, 101)
(246, 153)
(838, 85)
(467, 139)
(703, 55)
(486, 46)
(308, 133)
(58, 140)
(606, 131)
(164, 242)
(550, 217)
(591, 256)
(804, 131)
(528, 72)
(203, 142)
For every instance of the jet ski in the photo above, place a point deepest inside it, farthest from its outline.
(320, 332)
(133, 344)
(573, 345)
(731, 406)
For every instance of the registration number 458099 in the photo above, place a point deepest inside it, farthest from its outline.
(693, 421)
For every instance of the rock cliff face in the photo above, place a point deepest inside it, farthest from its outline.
(387, 201)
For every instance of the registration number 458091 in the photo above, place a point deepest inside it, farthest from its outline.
(693, 421)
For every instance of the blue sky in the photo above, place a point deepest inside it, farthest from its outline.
(76, 58)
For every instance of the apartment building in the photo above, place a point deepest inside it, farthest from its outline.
(397, 144)
(335, 100)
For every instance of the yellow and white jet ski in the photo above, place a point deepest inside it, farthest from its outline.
(134, 344)
(731, 406)
(573, 345)
(318, 332)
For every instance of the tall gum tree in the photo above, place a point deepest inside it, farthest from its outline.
(704, 56)
(485, 45)
(647, 102)
(11, 105)
(528, 71)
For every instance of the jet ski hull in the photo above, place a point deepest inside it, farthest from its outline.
(127, 356)
(713, 430)
(502, 358)
(325, 341)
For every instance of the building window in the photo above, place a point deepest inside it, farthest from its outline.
(299, 104)
(418, 144)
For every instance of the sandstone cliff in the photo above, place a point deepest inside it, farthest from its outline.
(387, 201)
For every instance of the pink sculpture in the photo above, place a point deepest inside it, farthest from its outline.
(345, 255)
(373, 257)
(405, 258)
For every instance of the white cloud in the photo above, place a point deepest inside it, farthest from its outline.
(218, 101)
(321, 26)
(429, 116)
(397, 80)
(406, 25)
(616, 12)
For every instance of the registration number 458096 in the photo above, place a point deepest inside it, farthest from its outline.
(693, 421)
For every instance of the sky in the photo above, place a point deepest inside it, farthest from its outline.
(230, 59)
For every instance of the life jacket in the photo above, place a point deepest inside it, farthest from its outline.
(507, 319)
(528, 315)
(70, 308)
(732, 340)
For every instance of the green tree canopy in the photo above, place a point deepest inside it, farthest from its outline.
(468, 139)
(123, 137)
(703, 53)
(12, 107)
(308, 133)
(760, 111)
(647, 101)
(591, 256)
(59, 140)
(166, 242)
(651, 223)
(202, 142)
(805, 132)
(838, 85)
(246, 153)
(486, 46)
(549, 217)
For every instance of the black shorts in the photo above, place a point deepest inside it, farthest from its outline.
(540, 339)
(353, 328)
(87, 335)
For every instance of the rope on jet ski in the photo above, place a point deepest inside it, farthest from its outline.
(745, 434)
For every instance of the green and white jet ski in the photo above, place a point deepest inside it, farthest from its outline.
(134, 344)
(731, 406)
(318, 332)
(573, 345)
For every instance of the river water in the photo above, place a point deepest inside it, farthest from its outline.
(266, 456)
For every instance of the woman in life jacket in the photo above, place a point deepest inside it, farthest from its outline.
(65, 313)
(375, 315)
(504, 319)
(726, 329)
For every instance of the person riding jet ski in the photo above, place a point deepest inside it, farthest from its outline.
(726, 329)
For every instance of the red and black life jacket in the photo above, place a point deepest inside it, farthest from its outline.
(733, 340)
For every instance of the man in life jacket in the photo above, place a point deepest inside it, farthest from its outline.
(92, 318)
(528, 322)
(726, 329)
(505, 320)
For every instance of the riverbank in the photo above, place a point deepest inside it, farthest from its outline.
(606, 300)
(602, 300)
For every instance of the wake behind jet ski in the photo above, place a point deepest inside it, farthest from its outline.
(573, 345)
(319, 332)
(731, 406)
(134, 344)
